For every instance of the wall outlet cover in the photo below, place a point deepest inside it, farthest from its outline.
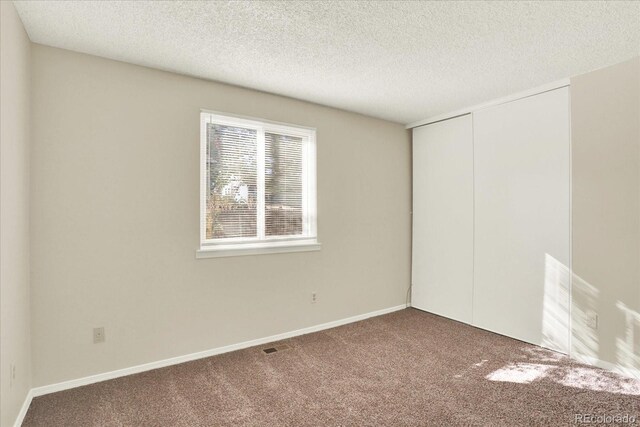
(592, 319)
(98, 335)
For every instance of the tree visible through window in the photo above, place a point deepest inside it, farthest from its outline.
(258, 181)
(231, 199)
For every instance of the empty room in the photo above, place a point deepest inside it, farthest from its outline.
(319, 213)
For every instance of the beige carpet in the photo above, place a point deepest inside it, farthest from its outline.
(404, 368)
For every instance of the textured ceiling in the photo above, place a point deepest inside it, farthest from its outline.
(402, 61)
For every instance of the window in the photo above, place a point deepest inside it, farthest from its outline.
(258, 187)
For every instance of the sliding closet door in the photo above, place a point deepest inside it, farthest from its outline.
(522, 202)
(443, 218)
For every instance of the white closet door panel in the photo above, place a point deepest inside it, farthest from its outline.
(522, 214)
(443, 218)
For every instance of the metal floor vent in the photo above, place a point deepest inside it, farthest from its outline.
(275, 349)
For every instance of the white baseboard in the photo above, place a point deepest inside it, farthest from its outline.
(52, 388)
(627, 372)
(24, 409)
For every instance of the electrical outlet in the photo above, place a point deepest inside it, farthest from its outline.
(592, 319)
(98, 335)
(314, 297)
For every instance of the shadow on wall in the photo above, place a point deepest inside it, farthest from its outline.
(628, 347)
(584, 299)
(619, 330)
(555, 309)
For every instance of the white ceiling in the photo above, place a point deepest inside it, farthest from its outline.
(402, 61)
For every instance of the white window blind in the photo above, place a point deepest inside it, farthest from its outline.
(283, 185)
(232, 181)
(257, 184)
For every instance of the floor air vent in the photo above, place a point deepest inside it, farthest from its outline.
(275, 349)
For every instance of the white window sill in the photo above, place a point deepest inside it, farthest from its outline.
(219, 251)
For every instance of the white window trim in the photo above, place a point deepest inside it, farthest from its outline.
(258, 248)
(213, 248)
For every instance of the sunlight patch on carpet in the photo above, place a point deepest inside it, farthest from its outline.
(596, 380)
(521, 373)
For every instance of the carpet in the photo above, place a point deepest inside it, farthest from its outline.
(407, 368)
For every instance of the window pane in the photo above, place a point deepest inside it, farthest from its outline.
(283, 185)
(231, 167)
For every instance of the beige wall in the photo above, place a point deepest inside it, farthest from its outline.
(115, 202)
(605, 115)
(15, 344)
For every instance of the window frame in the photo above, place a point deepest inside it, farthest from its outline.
(231, 246)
